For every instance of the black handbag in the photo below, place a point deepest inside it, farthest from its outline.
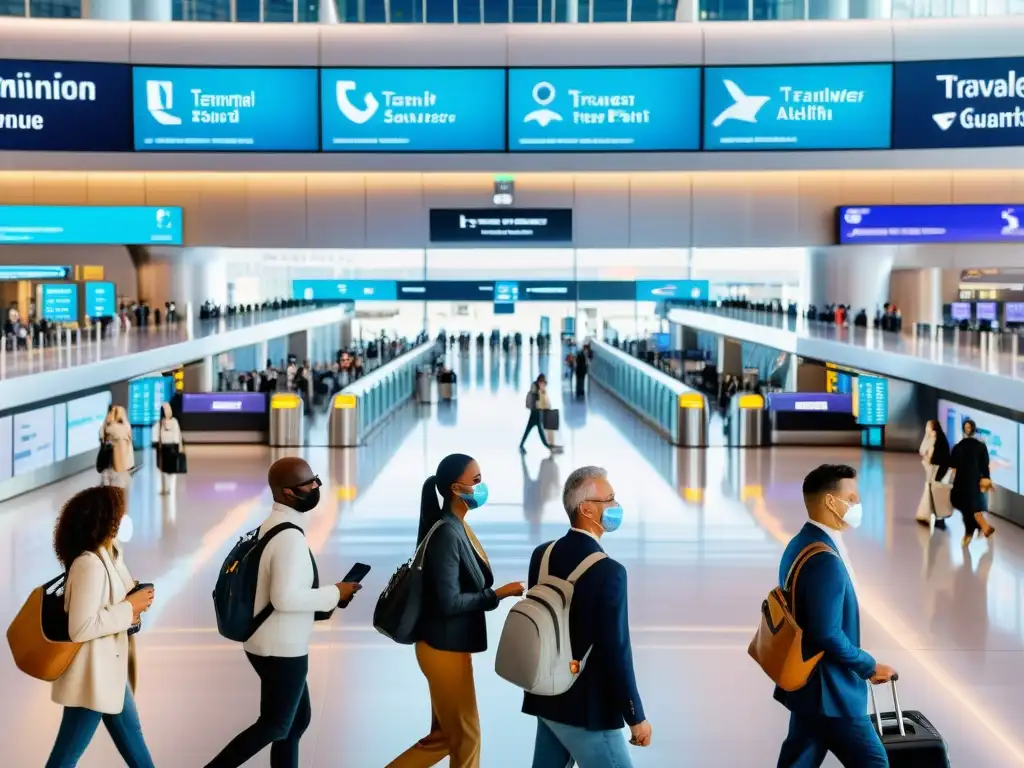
(550, 419)
(180, 463)
(398, 608)
(105, 457)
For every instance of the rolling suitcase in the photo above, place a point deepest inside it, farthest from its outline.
(910, 740)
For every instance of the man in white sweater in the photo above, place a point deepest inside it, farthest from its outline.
(279, 649)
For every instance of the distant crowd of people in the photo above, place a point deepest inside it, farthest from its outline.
(887, 317)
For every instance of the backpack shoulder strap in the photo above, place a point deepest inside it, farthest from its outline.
(545, 559)
(279, 528)
(806, 554)
(583, 567)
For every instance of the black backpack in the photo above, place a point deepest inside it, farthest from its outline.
(397, 613)
(234, 596)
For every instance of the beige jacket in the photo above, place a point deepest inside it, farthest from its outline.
(120, 437)
(98, 617)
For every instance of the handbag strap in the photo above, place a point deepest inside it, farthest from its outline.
(806, 554)
(421, 550)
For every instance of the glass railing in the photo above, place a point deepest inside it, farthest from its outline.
(509, 11)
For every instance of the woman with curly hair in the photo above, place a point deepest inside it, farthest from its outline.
(99, 682)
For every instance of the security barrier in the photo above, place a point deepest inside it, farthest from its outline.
(677, 411)
(366, 403)
(748, 426)
(287, 425)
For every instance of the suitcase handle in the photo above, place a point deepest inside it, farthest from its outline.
(896, 703)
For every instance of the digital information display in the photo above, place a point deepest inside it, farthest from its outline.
(668, 290)
(473, 225)
(999, 435)
(6, 448)
(345, 290)
(60, 302)
(892, 224)
(223, 402)
(966, 103)
(145, 396)
(986, 310)
(506, 292)
(33, 440)
(225, 110)
(413, 110)
(960, 310)
(810, 401)
(89, 225)
(841, 106)
(872, 401)
(100, 300)
(615, 110)
(1015, 311)
(34, 273)
(85, 418)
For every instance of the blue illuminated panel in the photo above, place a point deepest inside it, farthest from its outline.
(89, 225)
(930, 224)
(669, 290)
(100, 300)
(506, 292)
(413, 110)
(225, 110)
(616, 110)
(345, 290)
(872, 401)
(60, 302)
(841, 106)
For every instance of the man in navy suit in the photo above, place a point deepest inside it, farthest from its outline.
(829, 714)
(584, 724)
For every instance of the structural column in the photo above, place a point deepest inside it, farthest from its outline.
(127, 10)
(730, 357)
(857, 277)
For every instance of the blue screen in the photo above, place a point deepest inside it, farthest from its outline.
(506, 292)
(345, 290)
(65, 106)
(225, 110)
(100, 300)
(413, 110)
(872, 400)
(669, 290)
(931, 224)
(564, 110)
(34, 273)
(842, 106)
(89, 225)
(969, 103)
(60, 302)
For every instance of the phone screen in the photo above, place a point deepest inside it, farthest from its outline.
(357, 572)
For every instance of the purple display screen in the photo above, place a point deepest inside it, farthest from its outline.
(960, 310)
(985, 310)
(930, 224)
(224, 402)
(810, 401)
(1015, 311)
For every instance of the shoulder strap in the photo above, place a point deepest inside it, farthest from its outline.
(583, 567)
(544, 560)
(806, 554)
(421, 550)
(279, 528)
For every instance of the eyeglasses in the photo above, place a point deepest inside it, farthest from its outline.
(316, 479)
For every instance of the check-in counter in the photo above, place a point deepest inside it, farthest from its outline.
(366, 404)
(677, 411)
(748, 427)
(224, 417)
(813, 418)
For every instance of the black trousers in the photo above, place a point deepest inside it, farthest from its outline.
(284, 715)
(534, 421)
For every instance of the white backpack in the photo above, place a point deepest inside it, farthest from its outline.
(535, 652)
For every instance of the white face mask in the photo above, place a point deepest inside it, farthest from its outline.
(854, 513)
(125, 530)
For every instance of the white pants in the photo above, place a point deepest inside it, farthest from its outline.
(168, 482)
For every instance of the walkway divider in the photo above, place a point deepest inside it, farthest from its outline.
(366, 404)
(677, 411)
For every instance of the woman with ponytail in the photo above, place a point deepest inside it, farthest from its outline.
(458, 591)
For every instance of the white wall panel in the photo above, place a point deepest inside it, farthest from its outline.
(198, 45)
(797, 42)
(222, 209)
(336, 211)
(275, 210)
(660, 210)
(602, 211)
(46, 40)
(923, 187)
(978, 37)
(604, 45)
(411, 45)
(395, 214)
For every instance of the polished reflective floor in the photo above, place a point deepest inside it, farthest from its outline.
(701, 541)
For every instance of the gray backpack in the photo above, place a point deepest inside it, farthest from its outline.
(531, 399)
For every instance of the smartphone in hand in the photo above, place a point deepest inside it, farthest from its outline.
(355, 574)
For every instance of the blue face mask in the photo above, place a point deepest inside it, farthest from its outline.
(611, 518)
(477, 498)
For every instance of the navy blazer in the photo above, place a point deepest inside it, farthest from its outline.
(605, 693)
(456, 591)
(828, 612)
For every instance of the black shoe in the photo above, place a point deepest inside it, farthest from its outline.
(940, 524)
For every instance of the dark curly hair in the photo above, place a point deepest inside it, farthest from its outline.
(88, 520)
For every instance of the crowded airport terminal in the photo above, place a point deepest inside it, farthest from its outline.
(512, 383)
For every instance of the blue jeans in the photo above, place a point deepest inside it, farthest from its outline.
(559, 746)
(78, 726)
(853, 740)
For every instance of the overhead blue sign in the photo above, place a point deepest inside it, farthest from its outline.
(930, 224)
(100, 300)
(48, 106)
(506, 292)
(60, 302)
(34, 273)
(872, 401)
(413, 110)
(615, 110)
(225, 110)
(345, 290)
(968, 103)
(672, 290)
(89, 225)
(840, 106)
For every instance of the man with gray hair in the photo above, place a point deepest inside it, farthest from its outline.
(584, 724)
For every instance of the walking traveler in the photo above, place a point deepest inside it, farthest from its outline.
(168, 449)
(278, 650)
(582, 365)
(971, 481)
(827, 714)
(102, 605)
(118, 432)
(458, 591)
(543, 406)
(935, 458)
(534, 419)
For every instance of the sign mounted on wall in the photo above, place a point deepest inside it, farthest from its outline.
(930, 224)
(840, 106)
(968, 103)
(48, 106)
(413, 110)
(610, 110)
(497, 225)
(89, 225)
(225, 110)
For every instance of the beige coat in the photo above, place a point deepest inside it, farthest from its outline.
(98, 617)
(120, 437)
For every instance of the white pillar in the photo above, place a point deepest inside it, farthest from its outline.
(687, 10)
(151, 10)
(328, 13)
(127, 10)
(855, 276)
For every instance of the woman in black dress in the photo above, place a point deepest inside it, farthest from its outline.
(969, 462)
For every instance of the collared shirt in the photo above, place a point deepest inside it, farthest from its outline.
(586, 533)
(844, 553)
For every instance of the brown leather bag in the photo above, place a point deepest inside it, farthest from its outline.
(38, 636)
(777, 644)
